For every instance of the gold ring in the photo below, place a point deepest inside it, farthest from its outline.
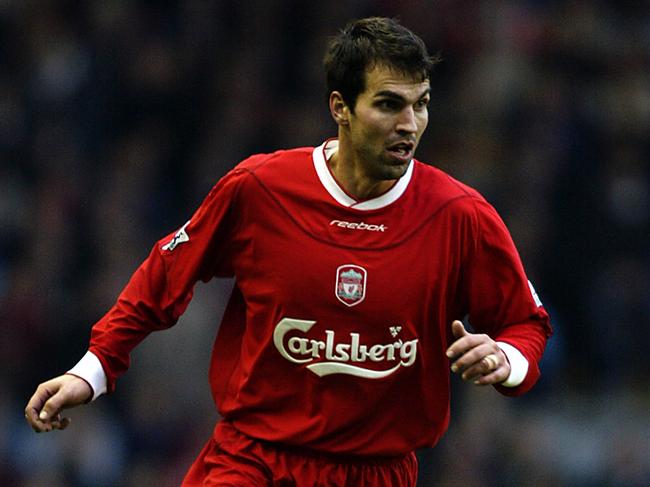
(492, 360)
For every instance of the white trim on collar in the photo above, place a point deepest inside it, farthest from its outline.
(320, 156)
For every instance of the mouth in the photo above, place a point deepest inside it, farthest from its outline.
(402, 151)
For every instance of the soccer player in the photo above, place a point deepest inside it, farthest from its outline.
(354, 265)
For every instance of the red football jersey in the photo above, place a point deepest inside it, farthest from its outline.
(334, 337)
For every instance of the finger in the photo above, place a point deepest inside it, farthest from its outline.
(55, 420)
(31, 415)
(495, 377)
(477, 371)
(36, 424)
(37, 400)
(52, 407)
(54, 423)
(34, 407)
(491, 361)
(459, 346)
(60, 423)
(65, 422)
(473, 358)
(458, 329)
(491, 369)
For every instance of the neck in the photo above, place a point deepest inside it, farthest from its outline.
(350, 175)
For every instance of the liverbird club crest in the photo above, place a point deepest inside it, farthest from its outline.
(350, 284)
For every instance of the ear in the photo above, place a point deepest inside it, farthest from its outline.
(338, 108)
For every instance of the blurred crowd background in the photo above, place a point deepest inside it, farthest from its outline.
(117, 117)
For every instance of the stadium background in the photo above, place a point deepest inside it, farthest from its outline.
(116, 117)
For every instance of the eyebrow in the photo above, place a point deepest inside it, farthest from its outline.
(397, 96)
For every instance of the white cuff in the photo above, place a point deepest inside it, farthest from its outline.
(518, 365)
(90, 369)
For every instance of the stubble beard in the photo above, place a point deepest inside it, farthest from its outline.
(386, 169)
(380, 166)
(390, 172)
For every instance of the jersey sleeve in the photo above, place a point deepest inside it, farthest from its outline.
(161, 288)
(501, 301)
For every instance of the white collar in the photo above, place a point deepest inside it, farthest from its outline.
(322, 154)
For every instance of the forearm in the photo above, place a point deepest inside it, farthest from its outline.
(146, 304)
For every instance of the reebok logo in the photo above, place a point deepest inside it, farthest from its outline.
(358, 226)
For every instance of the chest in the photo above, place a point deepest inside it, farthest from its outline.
(378, 267)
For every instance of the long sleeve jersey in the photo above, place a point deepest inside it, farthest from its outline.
(334, 337)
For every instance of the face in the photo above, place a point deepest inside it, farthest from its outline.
(389, 118)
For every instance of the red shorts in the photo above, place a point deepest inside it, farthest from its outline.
(230, 458)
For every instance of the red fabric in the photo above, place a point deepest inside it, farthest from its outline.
(230, 458)
(374, 291)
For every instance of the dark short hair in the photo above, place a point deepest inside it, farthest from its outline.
(365, 43)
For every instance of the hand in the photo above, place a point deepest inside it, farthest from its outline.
(477, 357)
(43, 411)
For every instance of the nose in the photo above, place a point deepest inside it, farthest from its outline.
(407, 121)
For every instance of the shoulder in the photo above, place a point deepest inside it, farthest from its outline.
(275, 161)
(280, 171)
(281, 165)
(440, 190)
(442, 194)
(439, 181)
(467, 202)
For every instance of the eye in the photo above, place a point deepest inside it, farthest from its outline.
(421, 104)
(388, 105)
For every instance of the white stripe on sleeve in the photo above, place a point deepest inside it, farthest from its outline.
(90, 369)
(518, 365)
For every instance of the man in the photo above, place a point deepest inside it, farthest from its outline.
(353, 264)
